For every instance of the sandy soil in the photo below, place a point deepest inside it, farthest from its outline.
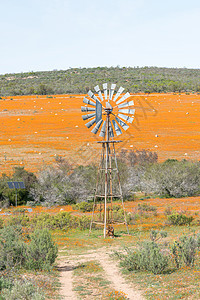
(110, 268)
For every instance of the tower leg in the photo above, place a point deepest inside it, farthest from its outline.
(120, 188)
(97, 183)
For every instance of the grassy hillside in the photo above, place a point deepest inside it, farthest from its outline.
(80, 80)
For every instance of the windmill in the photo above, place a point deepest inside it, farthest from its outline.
(108, 115)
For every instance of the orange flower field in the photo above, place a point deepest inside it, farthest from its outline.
(35, 129)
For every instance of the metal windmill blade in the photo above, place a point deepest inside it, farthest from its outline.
(92, 95)
(111, 91)
(105, 87)
(122, 123)
(121, 89)
(126, 118)
(86, 109)
(97, 89)
(103, 130)
(87, 101)
(90, 123)
(127, 95)
(96, 127)
(126, 104)
(127, 111)
(116, 127)
(85, 117)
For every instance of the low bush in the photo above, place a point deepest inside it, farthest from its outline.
(41, 251)
(156, 235)
(148, 257)
(83, 206)
(22, 290)
(5, 283)
(184, 251)
(18, 220)
(62, 220)
(12, 247)
(179, 219)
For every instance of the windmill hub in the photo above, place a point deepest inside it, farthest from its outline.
(108, 109)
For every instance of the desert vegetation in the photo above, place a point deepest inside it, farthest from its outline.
(55, 214)
(80, 80)
(63, 183)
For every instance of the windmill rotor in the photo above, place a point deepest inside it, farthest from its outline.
(108, 103)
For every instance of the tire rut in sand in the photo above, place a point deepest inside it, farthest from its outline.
(111, 271)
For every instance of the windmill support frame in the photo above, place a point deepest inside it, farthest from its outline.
(105, 173)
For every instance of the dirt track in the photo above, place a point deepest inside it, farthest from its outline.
(111, 270)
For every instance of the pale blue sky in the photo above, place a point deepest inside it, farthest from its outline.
(41, 35)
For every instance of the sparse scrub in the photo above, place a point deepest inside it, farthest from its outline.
(179, 219)
(148, 257)
(41, 251)
(83, 206)
(80, 80)
(184, 251)
(172, 179)
(22, 290)
(12, 247)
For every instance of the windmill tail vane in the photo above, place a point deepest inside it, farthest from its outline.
(108, 114)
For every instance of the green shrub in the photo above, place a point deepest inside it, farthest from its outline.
(41, 251)
(81, 222)
(172, 178)
(22, 290)
(5, 283)
(12, 247)
(1, 223)
(18, 220)
(155, 235)
(148, 257)
(63, 220)
(184, 251)
(179, 219)
(83, 206)
(43, 220)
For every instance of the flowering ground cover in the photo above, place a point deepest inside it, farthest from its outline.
(36, 129)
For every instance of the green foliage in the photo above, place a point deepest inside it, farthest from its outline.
(148, 257)
(41, 251)
(7, 196)
(179, 219)
(172, 179)
(184, 251)
(118, 215)
(80, 80)
(155, 235)
(5, 283)
(62, 220)
(83, 206)
(12, 247)
(22, 290)
(22, 220)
